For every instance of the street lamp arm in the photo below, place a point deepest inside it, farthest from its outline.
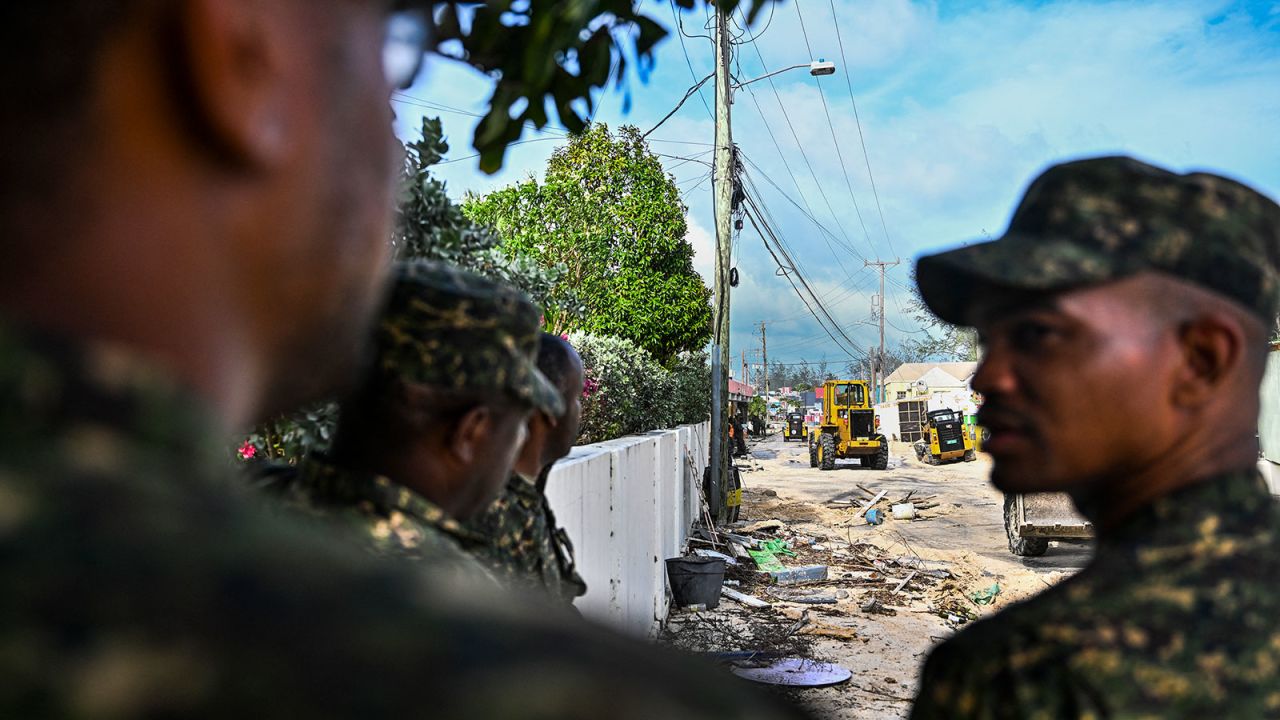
(816, 68)
(738, 86)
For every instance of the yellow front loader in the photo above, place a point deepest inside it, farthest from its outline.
(847, 428)
(946, 438)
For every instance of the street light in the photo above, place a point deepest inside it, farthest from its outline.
(817, 68)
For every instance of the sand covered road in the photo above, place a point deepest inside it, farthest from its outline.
(950, 551)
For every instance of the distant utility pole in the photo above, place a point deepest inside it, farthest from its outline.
(877, 364)
(764, 355)
(723, 178)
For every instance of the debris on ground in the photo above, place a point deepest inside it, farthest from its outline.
(985, 596)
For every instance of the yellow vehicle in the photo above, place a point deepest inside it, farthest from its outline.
(847, 428)
(946, 439)
(793, 427)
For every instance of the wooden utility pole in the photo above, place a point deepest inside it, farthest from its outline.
(877, 363)
(764, 355)
(723, 184)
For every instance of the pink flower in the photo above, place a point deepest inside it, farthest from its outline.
(589, 386)
(247, 450)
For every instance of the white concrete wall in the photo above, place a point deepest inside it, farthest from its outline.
(627, 505)
(1269, 422)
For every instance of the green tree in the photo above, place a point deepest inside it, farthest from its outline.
(430, 226)
(610, 214)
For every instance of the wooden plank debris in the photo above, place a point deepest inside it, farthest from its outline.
(745, 599)
(903, 584)
(866, 506)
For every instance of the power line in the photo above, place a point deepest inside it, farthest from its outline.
(831, 126)
(861, 139)
(803, 155)
(683, 48)
(757, 221)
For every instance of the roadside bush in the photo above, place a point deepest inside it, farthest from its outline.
(627, 391)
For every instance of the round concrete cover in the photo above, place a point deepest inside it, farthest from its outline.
(797, 672)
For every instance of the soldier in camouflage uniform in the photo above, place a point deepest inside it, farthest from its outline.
(519, 536)
(1123, 316)
(195, 214)
(434, 428)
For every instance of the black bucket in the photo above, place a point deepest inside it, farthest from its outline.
(695, 580)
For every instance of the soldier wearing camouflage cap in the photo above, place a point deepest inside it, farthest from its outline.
(519, 535)
(434, 428)
(1124, 318)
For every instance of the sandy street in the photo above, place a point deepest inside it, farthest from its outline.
(859, 618)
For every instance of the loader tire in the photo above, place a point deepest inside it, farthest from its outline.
(813, 453)
(827, 453)
(970, 456)
(1018, 545)
(880, 460)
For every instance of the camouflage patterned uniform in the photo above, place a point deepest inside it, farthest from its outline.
(1178, 614)
(1177, 617)
(394, 519)
(442, 328)
(520, 540)
(135, 581)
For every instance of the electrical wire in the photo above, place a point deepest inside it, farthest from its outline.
(803, 155)
(858, 121)
(831, 126)
(688, 61)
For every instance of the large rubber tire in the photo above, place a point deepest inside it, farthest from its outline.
(880, 461)
(813, 453)
(827, 454)
(1018, 545)
(970, 456)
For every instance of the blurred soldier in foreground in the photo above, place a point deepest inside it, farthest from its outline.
(195, 212)
(1124, 317)
(518, 532)
(433, 429)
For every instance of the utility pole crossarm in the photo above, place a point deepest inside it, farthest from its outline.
(877, 363)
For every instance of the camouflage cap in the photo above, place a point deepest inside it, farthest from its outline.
(448, 328)
(1093, 221)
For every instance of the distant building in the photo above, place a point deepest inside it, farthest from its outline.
(926, 378)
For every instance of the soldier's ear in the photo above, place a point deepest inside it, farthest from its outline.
(233, 63)
(1212, 348)
(473, 434)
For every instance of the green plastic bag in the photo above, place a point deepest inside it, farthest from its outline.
(985, 596)
(766, 560)
(777, 546)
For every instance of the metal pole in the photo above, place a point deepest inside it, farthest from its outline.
(877, 364)
(723, 192)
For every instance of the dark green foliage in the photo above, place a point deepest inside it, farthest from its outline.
(611, 216)
(429, 226)
(627, 391)
(542, 52)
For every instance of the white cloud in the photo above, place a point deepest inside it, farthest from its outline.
(959, 108)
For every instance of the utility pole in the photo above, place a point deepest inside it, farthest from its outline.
(724, 192)
(764, 354)
(877, 364)
(746, 379)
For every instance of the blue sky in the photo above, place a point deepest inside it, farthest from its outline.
(960, 103)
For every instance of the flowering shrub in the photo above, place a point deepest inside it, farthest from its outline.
(626, 391)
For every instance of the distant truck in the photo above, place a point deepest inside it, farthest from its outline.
(1031, 520)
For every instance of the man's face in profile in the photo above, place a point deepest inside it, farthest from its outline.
(1075, 384)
